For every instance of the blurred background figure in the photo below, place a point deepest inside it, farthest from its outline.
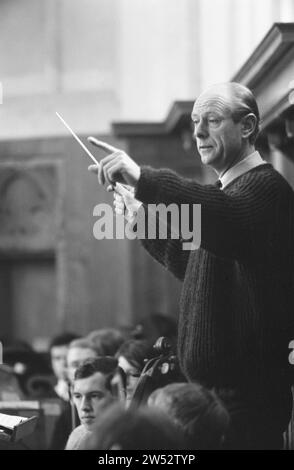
(9, 385)
(155, 325)
(106, 341)
(79, 350)
(196, 411)
(91, 391)
(132, 356)
(161, 367)
(58, 354)
(31, 369)
(134, 429)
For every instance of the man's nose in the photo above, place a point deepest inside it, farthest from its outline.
(85, 405)
(201, 129)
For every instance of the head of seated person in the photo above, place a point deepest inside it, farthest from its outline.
(92, 388)
(155, 325)
(197, 411)
(134, 429)
(78, 351)
(106, 340)
(58, 355)
(131, 360)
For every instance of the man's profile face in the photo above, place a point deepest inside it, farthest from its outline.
(219, 138)
(58, 361)
(75, 357)
(89, 396)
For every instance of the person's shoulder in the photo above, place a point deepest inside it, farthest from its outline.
(78, 430)
(75, 437)
(265, 176)
(274, 177)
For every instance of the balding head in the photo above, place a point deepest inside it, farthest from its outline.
(226, 120)
(237, 99)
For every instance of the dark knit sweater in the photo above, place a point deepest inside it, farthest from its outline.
(237, 303)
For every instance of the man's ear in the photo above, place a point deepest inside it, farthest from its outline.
(249, 123)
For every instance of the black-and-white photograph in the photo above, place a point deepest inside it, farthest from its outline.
(147, 227)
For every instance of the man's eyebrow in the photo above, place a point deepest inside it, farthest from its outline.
(96, 392)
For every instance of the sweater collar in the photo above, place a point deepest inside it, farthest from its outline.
(253, 160)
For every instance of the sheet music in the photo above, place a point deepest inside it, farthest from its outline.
(20, 404)
(9, 421)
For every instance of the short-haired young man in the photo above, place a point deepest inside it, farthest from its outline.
(91, 392)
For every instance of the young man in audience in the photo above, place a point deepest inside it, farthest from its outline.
(91, 392)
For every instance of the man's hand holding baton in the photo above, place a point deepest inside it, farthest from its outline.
(116, 168)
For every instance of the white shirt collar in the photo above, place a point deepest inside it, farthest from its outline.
(253, 160)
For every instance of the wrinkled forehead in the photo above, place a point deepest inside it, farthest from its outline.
(214, 100)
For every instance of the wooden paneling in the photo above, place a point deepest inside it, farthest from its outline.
(72, 281)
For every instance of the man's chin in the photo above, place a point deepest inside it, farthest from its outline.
(88, 423)
(207, 159)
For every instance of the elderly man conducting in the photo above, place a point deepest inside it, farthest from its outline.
(236, 307)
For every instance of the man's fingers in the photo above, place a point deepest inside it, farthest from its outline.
(119, 211)
(101, 177)
(98, 170)
(119, 205)
(112, 169)
(102, 145)
(93, 168)
(117, 197)
(122, 190)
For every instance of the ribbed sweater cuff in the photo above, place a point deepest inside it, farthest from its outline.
(146, 189)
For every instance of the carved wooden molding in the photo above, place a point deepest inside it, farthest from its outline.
(267, 55)
(269, 70)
